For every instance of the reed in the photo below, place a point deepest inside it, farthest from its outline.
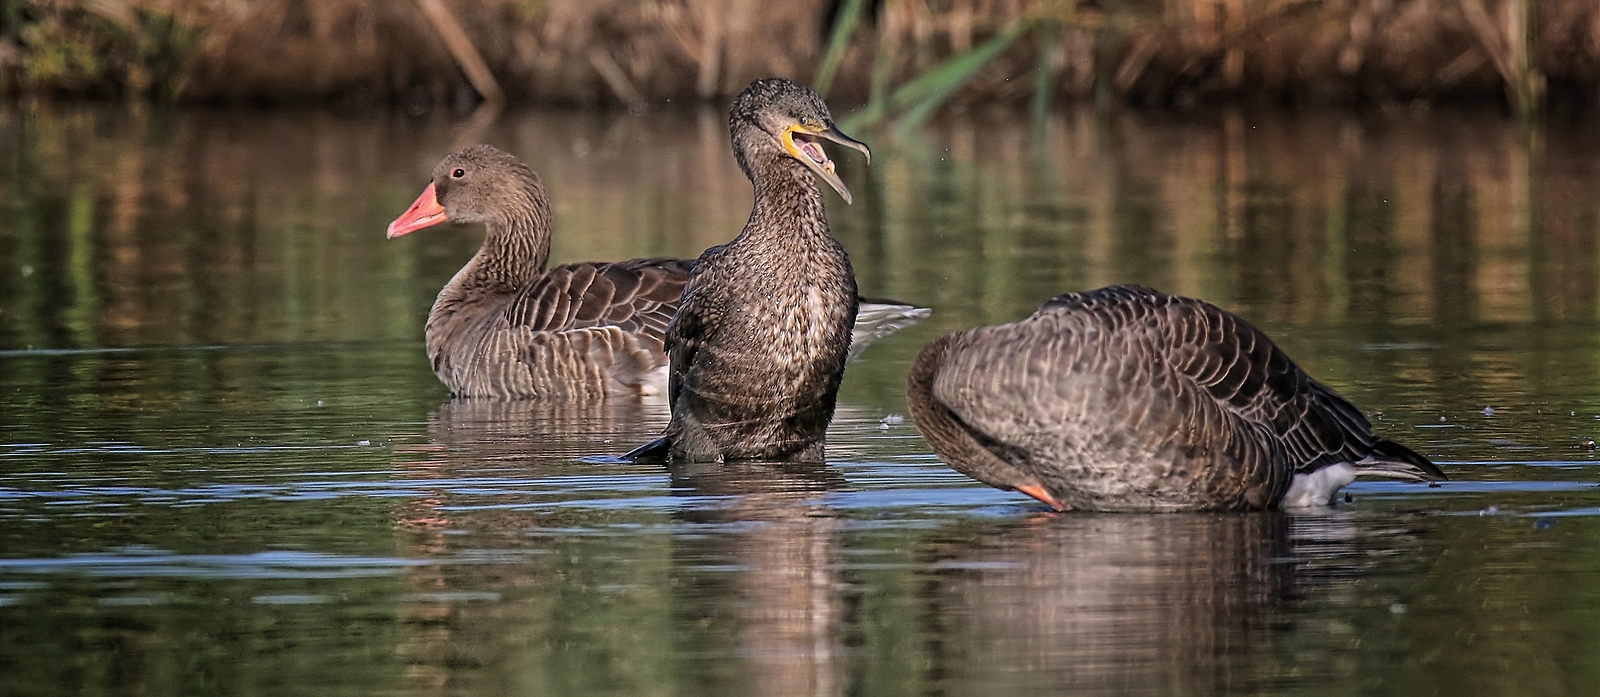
(1442, 218)
(838, 39)
(920, 96)
(638, 52)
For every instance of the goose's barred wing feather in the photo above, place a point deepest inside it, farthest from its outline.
(1240, 367)
(639, 295)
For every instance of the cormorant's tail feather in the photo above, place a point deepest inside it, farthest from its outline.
(658, 450)
(1391, 459)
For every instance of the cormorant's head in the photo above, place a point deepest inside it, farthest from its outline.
(781, 114)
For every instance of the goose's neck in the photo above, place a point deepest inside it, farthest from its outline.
(941, 426)
(515, 251)
(933, 419)
(788, 203)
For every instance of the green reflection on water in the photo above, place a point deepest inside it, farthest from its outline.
(269, 493)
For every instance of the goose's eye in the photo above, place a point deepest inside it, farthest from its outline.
(458, 173)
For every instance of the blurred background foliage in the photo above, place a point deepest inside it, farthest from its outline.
(1525, 54)
(102, 48)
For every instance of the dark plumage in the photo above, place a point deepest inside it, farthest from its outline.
(759, 344)
(505, 327)
(1127, 399)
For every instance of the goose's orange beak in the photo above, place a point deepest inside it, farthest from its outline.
(424, 212)
(1039, 492)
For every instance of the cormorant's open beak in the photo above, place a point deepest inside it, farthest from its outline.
(805, 145)
(424, 212)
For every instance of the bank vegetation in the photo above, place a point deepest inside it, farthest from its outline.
(901, 56)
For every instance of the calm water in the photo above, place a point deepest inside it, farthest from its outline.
(226, 469)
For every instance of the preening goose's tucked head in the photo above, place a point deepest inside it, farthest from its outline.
(476, 184)
(775, 115)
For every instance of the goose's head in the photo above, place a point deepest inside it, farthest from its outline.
(782, 117)
(476, 184)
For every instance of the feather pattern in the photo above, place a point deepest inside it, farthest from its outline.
(759, 345)
(505, 327)
(1124, 398)
(581, 330)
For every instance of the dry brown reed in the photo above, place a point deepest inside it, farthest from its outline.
(641, 51)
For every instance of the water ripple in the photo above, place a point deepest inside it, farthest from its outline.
(259, 565)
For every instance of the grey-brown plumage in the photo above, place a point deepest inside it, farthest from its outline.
(759, 344)
(1127, 399)
(505, 327)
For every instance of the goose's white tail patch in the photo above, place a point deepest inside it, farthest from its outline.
(1318, 488)
(654, 383)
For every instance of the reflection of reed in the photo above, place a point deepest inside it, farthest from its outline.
(1111, 604)
(491, 439)
(139, 228)
(1379, 227)
(788, 609)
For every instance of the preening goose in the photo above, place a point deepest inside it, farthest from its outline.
(1128, 399)
(506, 327)
(759, 344)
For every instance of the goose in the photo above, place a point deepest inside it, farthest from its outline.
(1129, 399)
(507, 327)
(759, 344)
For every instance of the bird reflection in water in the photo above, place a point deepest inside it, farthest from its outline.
(490, 428)
(472, 438)
(785, 599)
(488, 464)
(1110, 604)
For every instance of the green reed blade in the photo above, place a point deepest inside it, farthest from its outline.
(838, 41)
(931, 90)
(1044, 75)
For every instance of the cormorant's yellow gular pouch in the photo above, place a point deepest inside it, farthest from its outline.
(803, 141)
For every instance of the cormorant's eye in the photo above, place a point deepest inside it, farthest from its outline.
(811, 122)
(458, 173)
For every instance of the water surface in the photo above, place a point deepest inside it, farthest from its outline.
(226, 469)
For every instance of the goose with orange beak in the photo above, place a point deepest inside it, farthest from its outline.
(508, 327)
(425, 212)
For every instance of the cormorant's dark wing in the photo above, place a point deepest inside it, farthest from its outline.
(685, 333)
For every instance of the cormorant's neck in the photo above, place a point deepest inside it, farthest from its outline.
(788, 202)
